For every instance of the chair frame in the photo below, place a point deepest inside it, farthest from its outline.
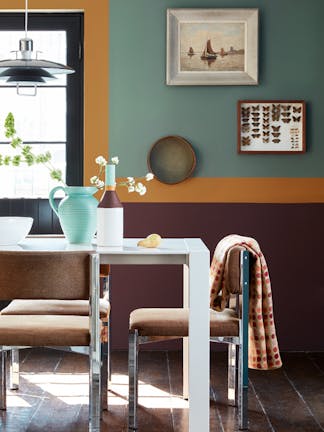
(97, 368)
(237, 356)
(14, 368)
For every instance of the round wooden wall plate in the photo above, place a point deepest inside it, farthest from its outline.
(171, 159)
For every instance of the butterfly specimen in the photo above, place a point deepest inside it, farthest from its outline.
(256, 124)
(296, 110)
(296, 119)
(245, 111)
(286, 120)
(245, 128)
(255, 130)
(286, 114)
(266, 108)
(276, 140)
(256, 107)
(276, 128)
(286, 107)
(246, 141)
(276, 134)
(265, 140)
(265, 133)
(256, 135)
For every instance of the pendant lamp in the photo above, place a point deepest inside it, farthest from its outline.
(25, 70)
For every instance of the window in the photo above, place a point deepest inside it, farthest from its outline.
(53, 120)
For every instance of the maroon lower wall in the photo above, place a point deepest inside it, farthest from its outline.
(290, 236)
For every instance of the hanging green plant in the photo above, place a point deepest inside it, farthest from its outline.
(25, 153)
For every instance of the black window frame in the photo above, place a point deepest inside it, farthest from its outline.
(73, 23)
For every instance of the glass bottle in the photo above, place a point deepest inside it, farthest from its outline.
(110, 213)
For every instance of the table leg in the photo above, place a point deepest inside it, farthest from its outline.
(198, 264)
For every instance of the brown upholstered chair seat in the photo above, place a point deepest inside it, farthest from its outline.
(54, 307)
(43, 330)
(174, 322)
(60, 275)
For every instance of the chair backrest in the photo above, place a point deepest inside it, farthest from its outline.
(44, 275)
(233, 270)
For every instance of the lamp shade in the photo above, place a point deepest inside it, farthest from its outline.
(26, 75)
(26, 70)
(34, 64)
(26, 67)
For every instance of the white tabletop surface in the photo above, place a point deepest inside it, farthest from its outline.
(173, 246)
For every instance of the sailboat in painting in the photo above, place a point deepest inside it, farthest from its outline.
(208, 53)
(191, 52)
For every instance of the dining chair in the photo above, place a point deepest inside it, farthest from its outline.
(57, 276)
(229, 326)
(66, 307)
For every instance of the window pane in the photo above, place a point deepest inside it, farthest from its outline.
(40, 118)
(51, 44)
(34, 181)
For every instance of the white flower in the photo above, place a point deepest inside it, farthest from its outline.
(130, 180)
(143, 191)
(140, 188)
(100, 184)
(149, 176)
(100, 160)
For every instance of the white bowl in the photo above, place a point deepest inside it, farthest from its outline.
(14, 229)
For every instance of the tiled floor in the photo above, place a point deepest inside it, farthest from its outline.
(50, 398)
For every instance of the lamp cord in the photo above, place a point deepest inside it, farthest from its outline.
(26, 17)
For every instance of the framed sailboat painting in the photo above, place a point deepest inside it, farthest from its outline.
(212, 47)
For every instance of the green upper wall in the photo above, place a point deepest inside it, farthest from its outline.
(143, 108)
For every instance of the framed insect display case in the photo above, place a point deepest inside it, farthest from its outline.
(271, 126)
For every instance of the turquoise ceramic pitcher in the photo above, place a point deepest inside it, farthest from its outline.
(77, 212)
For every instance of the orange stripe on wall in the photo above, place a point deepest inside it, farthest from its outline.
(240, 190)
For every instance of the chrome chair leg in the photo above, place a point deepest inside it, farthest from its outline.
(3, 387)
(133, 379)
(104, 377)
(14, 369)
(109, 351)
(107, 295)
(232, 375)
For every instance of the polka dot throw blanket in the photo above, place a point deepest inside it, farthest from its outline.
(263, 345)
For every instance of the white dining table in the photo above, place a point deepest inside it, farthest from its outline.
(193, 255)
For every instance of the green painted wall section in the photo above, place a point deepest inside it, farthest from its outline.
(143, 108)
